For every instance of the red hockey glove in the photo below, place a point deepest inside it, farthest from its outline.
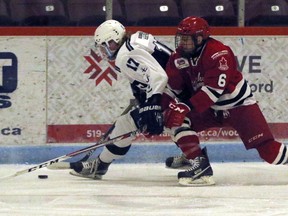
(174, 116)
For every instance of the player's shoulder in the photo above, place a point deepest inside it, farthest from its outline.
(142, 40)
(215, 48)
(141, 37)
(131, 51)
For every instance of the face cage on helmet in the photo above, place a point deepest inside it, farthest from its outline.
(188, 53)
(105, 51)
(178, 46)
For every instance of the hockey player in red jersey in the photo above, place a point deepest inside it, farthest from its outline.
(203, 75)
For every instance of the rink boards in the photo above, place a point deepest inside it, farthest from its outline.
(55, 88)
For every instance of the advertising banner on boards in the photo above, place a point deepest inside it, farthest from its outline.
(58, 89)
(22, 90)
(85, 93)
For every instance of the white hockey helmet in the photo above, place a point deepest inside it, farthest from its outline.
(109, 37)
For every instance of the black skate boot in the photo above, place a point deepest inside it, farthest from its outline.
(200, 174)
(177, 162)
(93, 169)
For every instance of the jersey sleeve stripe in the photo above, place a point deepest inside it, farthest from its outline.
(213, 95)
(240, 94)
(128, 45)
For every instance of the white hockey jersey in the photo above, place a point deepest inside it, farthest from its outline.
(142, 59)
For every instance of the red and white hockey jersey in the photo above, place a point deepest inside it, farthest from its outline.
(210, 80)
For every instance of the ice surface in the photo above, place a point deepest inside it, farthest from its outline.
(249, 189)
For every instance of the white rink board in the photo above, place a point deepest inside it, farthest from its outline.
(82, 102)
(25, 120)
(73, 98)
(268, 72)
(52, 88)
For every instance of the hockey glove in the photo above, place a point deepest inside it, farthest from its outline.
(175, 114)
(150, 119)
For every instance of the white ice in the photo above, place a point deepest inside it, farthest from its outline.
(248, 189)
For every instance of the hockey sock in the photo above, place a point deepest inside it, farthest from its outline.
(273, 152)
(188, 142)
(113, 152)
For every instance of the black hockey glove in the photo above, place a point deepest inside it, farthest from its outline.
(150, 117)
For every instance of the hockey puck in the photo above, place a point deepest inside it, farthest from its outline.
(42, 176)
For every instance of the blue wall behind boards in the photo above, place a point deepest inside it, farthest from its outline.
(139, 153)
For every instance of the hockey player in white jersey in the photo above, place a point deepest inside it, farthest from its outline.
(142, 59)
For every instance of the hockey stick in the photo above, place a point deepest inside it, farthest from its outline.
(68, 165)
(72, 154)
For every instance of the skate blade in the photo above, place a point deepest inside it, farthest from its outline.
(96, 177)
(200, 182)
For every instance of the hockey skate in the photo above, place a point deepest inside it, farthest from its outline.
(94, 169)
(199, 174)
(177, 162)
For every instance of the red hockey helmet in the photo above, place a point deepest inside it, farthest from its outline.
(194, 26)
(191, 35)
